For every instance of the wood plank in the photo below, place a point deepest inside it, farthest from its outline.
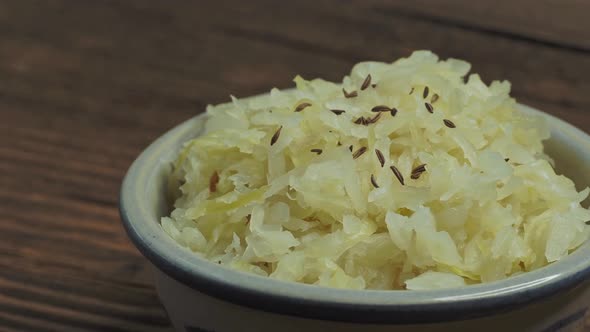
(85, 302)
(89, 304)
(18, 323)
(561, 24)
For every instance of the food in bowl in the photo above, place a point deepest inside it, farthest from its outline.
(404, 176)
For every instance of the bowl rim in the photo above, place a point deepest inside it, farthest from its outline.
(309, 301)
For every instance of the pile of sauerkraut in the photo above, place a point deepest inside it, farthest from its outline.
(404, 176)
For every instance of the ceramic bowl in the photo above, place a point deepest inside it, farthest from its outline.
(202, 296)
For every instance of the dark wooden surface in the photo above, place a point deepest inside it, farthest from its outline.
(85, 85)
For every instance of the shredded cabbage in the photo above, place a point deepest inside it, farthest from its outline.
(316, 185)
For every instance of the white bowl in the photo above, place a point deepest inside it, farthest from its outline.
(202, 296)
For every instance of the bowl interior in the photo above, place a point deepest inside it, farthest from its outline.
(143, 203)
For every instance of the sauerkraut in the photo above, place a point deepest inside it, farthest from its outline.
(407, 175)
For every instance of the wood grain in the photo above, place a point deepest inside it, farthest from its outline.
(86, 85)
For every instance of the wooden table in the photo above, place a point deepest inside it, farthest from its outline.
(86, 85)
